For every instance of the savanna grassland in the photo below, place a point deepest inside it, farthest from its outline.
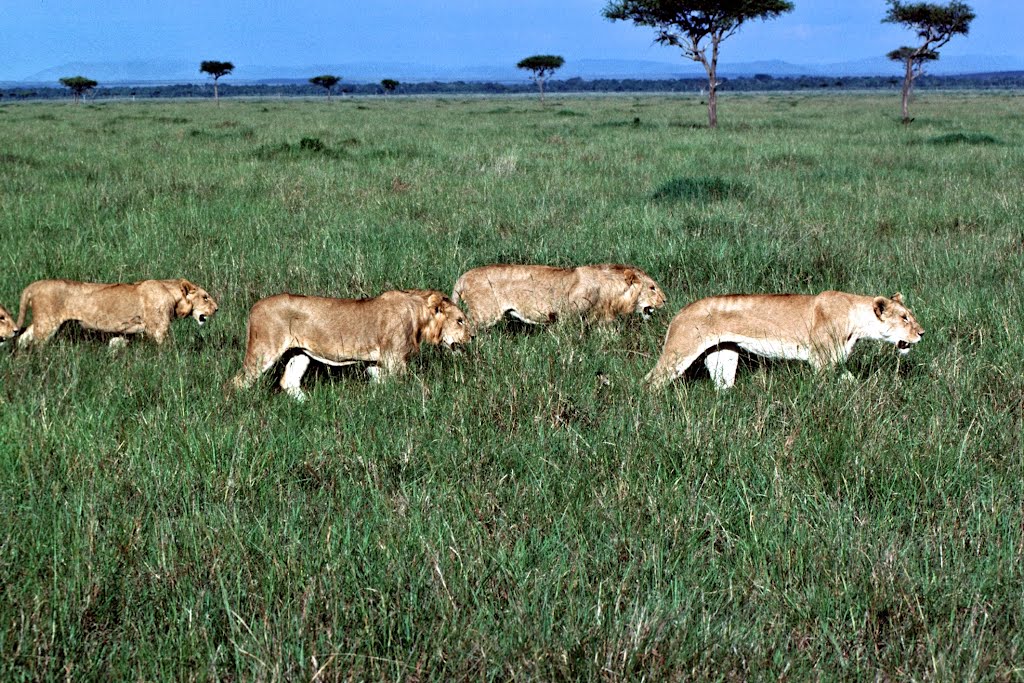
(523, 510)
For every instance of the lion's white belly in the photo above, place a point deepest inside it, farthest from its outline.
(773, 348)
(371, 357)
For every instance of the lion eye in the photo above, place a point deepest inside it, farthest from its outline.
(906, 319)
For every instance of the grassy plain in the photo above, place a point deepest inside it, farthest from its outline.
(524, 510)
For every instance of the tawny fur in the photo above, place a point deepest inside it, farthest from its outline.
(541, 294)
(385, 330)
(819, 329)
(147, 307)
(8, 328)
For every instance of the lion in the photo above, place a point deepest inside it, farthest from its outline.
(542, 294)
(384, 331)
(8, 328)
(146, 307)
(820, 329)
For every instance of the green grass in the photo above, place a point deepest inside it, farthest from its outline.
(506, 513)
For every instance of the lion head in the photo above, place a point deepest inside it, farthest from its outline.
(445, 322)
(649, 296)
(194, 301)
(456, 330)
(8, 327)
(898, 325)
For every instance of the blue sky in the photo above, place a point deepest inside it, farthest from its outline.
(40, 34)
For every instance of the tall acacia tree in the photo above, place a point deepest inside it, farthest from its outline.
(935, 25)
(216, 70)
(542, 67)
(78, 85)
(694, 26)
(326, 81)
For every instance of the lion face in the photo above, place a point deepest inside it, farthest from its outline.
(455, 330)
(196, 302)
(650, 297)
(898, 325)
(8, 328)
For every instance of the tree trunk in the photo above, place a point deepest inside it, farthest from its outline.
(215, 96)
(540, 82)
(712, 68)
(908, 83)
(712, 102)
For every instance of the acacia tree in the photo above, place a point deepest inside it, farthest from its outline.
(694, 26)
(935, 25)
(326, 81)
(390, 85)
(542, 66)
(216, 70)
(78, 85)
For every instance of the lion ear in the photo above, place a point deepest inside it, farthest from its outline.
(879, 305)
(897, 297)
(435, 300)
(187, 287)
(631, 277)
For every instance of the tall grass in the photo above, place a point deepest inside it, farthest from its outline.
(524, 510)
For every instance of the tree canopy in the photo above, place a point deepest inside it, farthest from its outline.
(326, 81)
(216, 70)
(78, 85)
(542, 67)
(935, 25)
(696, 25)
(389, 85)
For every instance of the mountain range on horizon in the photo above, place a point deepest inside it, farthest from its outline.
(179, 71)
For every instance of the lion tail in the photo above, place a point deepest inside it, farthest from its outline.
(24, 305)
(457, 292)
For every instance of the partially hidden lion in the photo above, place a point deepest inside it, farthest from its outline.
(542, 294)
(8, 328)
(820, 329)
(146, 307)
(384, 330)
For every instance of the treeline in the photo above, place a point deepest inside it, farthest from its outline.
(757, 83)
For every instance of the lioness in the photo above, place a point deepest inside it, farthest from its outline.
(7, 327)
(385, 330)
(819, 329)
(145, 307)
(542, 294)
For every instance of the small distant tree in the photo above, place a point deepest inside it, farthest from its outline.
(935, 25)
(695, 25)
(79, 85)
(542, 67)
(390, 85)
(216, 70)
(327, 81)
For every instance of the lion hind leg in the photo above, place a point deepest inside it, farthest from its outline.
(257, 362)
(37, 333)
(291, 379)
(674, 363)
(722, 364)
(388, 366)
(28, 335)
(666, 370)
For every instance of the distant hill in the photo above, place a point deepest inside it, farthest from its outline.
(143, 71)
